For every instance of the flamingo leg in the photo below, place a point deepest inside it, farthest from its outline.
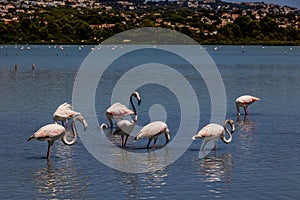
(50, 143)
(154, 144)
(109, 118)
(67, 124)
(246, 110)
(238, 109)
(205, 142)
(126, 137)
(149, 140)
(122, 141)
(215, 146)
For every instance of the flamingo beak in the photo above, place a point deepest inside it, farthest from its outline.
(168, 137)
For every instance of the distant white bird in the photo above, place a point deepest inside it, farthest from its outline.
(118, 110)
(64, 112)
(245, 101)
(52, 132)
(152, 131)
(125, 127)
(214, 131)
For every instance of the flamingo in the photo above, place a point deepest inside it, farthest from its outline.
(214, 131)
(245, 101)
(52, 132)
(118, 110)
(65, 112)
(125, 127)
(152, 131)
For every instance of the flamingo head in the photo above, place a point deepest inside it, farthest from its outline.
(137, 96)
(80, 118)
(230, 121)
(167, 134)
(256, 99)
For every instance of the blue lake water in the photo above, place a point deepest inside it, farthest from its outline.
(262, 162)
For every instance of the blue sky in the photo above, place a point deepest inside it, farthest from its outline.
(293, 3)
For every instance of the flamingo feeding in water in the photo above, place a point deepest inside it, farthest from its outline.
(245, 101)
(214, 131)
(52, 132)
(152, 131)
(65, 112)
(118, 110)
(125, 127)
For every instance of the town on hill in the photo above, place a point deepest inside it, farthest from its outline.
(91, 21)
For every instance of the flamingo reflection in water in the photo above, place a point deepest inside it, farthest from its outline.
(245, 124)
(61, 181)
(216, 169)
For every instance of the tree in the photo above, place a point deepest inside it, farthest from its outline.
(83, 30)
(227, 32)
(52, 27)
(243, 22)
(236, 31)
(268, 25)
(147, 23)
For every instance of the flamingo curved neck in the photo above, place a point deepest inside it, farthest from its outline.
(103, 126)
(135, 119)
(64, 138)
(133, 107)
(231, 123)
(225, 140)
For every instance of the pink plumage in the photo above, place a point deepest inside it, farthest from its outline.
(244, 101)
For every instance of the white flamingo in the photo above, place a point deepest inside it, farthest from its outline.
(152, 131)
(214, 131)
(64, 112)
(245, 101)
(52, 132)
(125, 127)
(118, 110)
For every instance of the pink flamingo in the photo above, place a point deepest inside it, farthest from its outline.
(52, 132)
(118, 110)
(245, 101)
(214, 131)
(65, 112)
(125, 127)
(152, 131)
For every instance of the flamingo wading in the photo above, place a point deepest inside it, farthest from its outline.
(52, 132)
(125, 127)
(245, 101)
(214, 131)
(118, 110)
(152, 131)
(64, 112)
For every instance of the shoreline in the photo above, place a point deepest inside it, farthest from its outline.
(203, 43)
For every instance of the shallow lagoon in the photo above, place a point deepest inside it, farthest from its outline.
(261, 162)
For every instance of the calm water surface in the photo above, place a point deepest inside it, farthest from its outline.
(262, 162)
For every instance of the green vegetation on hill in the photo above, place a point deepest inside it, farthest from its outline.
(92, 26)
